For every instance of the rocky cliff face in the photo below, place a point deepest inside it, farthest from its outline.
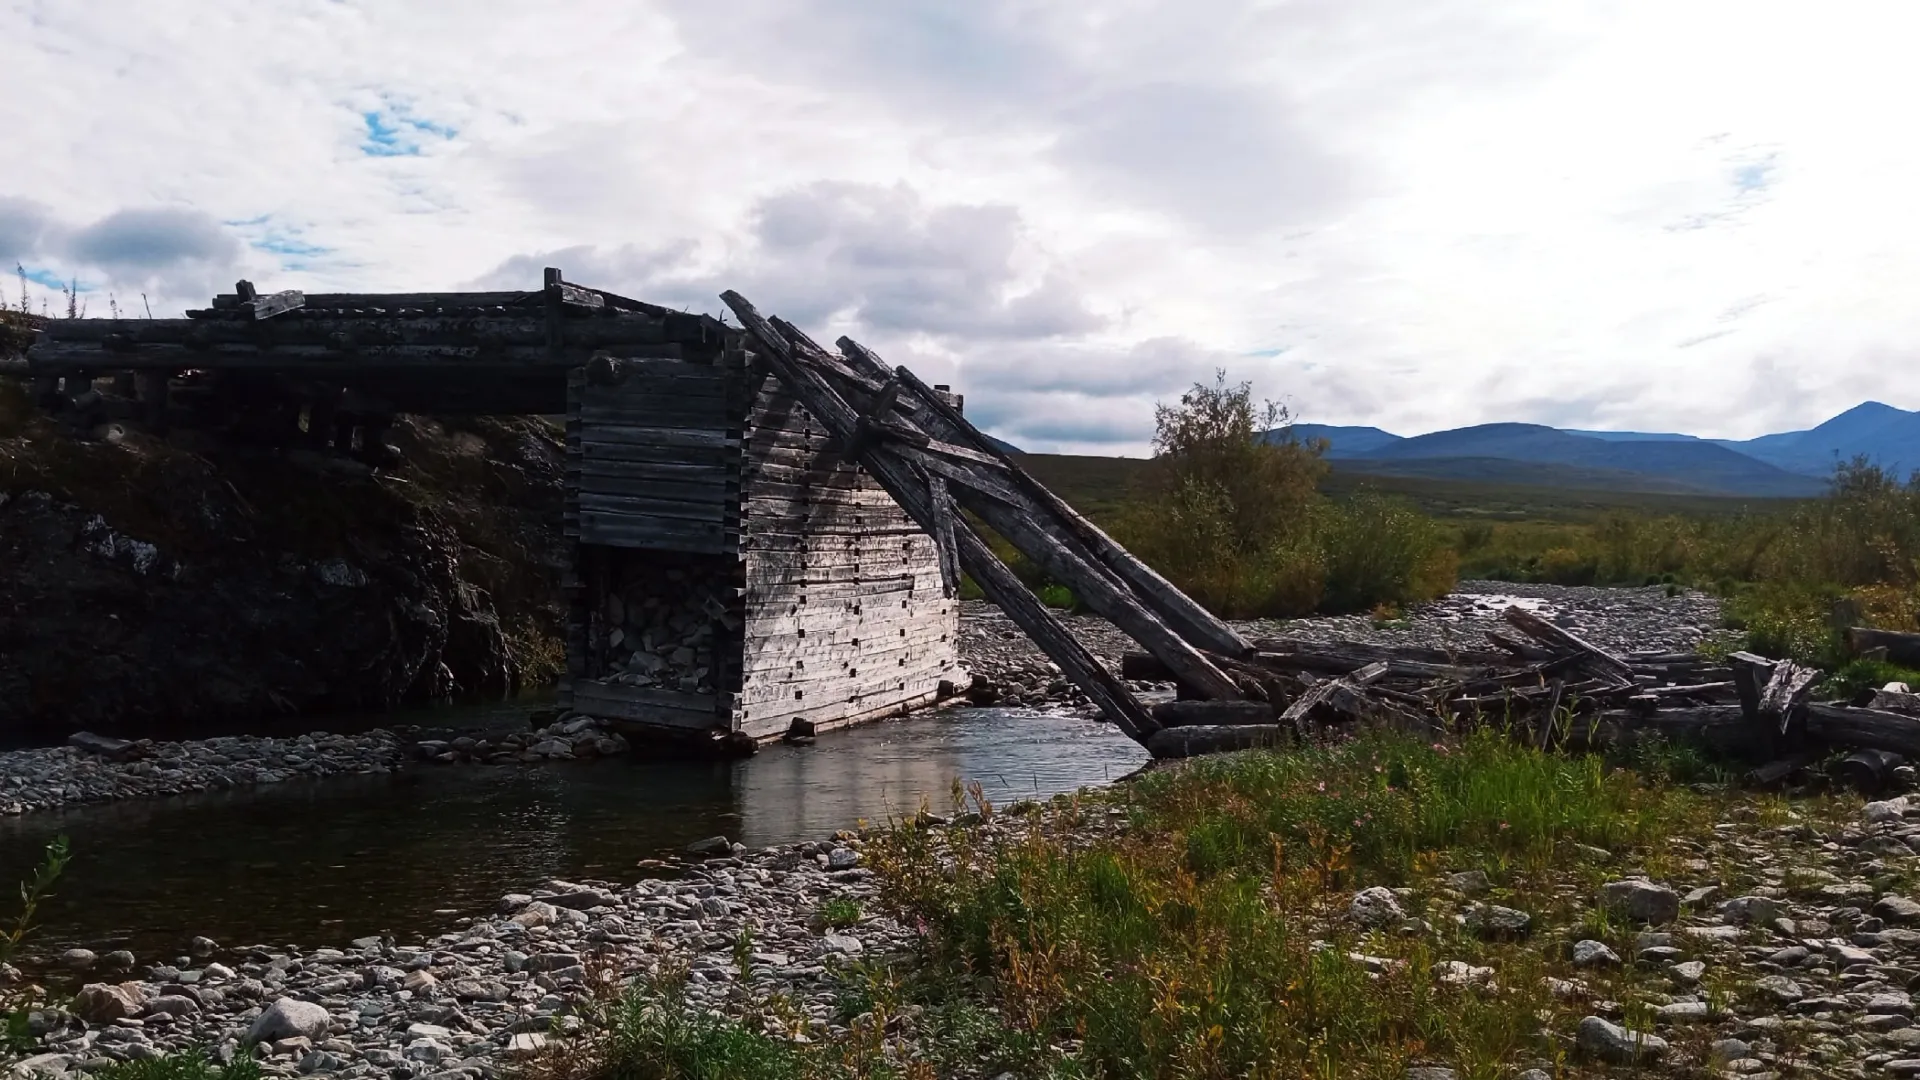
(165, 585)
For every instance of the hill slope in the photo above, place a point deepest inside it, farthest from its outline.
(1698, 465)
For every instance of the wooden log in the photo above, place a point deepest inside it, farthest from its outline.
(1185, 742)
(1339, 662)
(1364, 652)
(943, 517)
(1541, 630)
(105, 746)
(1845, 725)
(1868, 771)
(1520, 649)
(995, 579)
(1343, 696)
(266, 307)
(1213, 713)
(1902, 649)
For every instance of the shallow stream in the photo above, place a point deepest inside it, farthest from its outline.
(322, 862)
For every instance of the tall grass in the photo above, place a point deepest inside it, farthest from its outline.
(1208, 938)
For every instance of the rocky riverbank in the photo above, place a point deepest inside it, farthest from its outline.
(1783, 942)
(465, 1003)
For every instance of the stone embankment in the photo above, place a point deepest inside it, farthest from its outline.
(1008, 670)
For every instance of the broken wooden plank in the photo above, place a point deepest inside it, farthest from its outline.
(266, 307)
(1541, 630)
(1786, 691)
(1295, 716)
(943, 516)
(1751, 673)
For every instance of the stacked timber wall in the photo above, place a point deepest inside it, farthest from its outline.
(846, 616)
(733, 577)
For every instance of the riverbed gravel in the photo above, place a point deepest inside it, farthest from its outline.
(743, 925)
(1008, 670)
(1784, 942)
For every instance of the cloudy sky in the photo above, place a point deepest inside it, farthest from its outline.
(1685, 215)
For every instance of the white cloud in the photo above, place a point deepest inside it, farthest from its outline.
(1690, 217)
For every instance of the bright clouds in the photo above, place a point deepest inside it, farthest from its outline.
(1692, 217)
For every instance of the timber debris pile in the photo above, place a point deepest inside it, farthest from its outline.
(1556, 690)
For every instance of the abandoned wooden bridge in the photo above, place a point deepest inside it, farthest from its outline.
(768, 537)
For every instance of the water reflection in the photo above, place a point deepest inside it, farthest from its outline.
(320, 863)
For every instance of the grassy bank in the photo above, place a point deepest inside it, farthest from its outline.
(1198, 923)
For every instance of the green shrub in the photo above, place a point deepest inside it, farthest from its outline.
(1379, 550)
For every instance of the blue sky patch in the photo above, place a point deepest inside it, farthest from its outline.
(42, 276)
(1266, 354)
(393, 131)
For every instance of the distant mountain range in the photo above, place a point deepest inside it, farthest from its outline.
(1788, 464)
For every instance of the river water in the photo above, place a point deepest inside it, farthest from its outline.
(322, 862)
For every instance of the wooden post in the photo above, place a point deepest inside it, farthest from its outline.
(152, 388)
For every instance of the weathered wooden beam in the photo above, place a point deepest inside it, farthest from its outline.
(943, 516)
(1902, 649)
(1751, 673)
(1844, 725)
(1784, 695)
(1200, 627)
(1541, 630)
(1184, 742)
(1213, 713)
(1294, 717)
